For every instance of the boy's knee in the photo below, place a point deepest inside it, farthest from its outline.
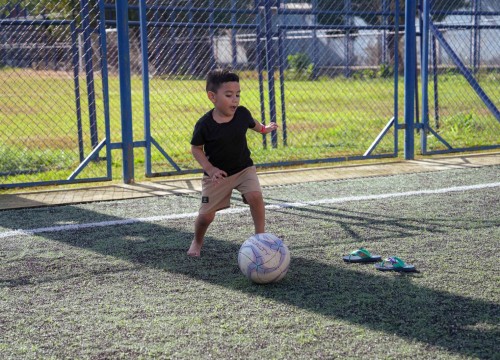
(206, 219)
(253, 198)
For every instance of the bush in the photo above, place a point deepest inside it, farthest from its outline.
(300, 66)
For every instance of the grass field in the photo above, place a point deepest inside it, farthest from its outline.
(128, 291)
(327, 118)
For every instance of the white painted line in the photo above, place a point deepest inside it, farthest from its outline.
(21, 232)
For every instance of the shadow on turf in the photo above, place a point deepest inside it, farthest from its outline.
(381, 302)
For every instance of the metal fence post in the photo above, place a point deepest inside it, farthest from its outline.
(424, 71)
(89, 72)
(125, 90)
(410, 78)
(271, 65)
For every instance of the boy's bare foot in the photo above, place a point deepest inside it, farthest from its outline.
(194, 249)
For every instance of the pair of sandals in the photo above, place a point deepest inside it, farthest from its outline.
(392, 263)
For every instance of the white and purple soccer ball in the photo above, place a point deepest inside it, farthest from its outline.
(264, 258)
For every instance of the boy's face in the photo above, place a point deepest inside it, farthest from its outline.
(227, 98)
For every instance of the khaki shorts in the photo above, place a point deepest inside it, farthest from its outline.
(217, 196)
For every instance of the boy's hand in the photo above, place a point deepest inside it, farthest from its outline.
(271, 127)
(217, 174)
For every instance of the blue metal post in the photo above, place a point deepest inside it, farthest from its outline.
(76, 80)
(410, 78)
(145, 83)
(125, 90)
(211, 20)
(424, 73)
(435, 80)
(315, 57)
(234, 44)
(347, 41)
(281, 56)
(89, 71)
(191, 51)
(105, 84)
(476, 36)
(385, 9)
(396, 79)
(172, 42)
(270, 63)
(260, 67)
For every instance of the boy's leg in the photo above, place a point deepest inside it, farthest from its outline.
(200, 228)
(257, 209)
(214, 197)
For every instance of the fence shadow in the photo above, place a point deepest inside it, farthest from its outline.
(392, 304)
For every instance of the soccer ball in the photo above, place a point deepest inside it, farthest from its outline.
(264, 258)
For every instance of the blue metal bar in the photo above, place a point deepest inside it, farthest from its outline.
(191, 37)
(125, 90)
(476, 36)
(410, 78)
(211, 19)
(385, 7)
(290, 163)
(105, 85)
(467, 26)
(424, 73)
(271, 61)
(89, 71)
(24, 22)
(55, 182)
(435, 78)
(465, 12)
(208, 9)
(352, 13)
(396, 79)
(465, 72)
(281, 57)
(164, 153)
(260, 69)
(439, 137)
(173, 24)
(76, 80)
(457, 150)
(347, 40)
(379, 137)
(338, 27)
(234, 45)
(145, 84)
(171, 41)
(92, 156)
(315, 51)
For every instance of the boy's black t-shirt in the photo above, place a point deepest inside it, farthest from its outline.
(225, 145)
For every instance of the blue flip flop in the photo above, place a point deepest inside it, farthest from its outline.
(361, 256)
(394, 263)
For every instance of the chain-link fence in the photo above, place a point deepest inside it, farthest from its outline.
(327, 71)
(325, 77)
(52, 97)
(464, 75)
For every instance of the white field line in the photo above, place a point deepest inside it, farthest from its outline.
(21, 232)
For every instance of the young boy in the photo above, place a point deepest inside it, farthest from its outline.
(219, 145)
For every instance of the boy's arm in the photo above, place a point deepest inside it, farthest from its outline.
(261, 128)
(212, 171)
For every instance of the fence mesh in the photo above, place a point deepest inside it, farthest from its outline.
(328, 72)
(458, 107)
(333, 86)
(51, 92)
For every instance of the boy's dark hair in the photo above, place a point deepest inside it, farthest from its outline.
(216, 78)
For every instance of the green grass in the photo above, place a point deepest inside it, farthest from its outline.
(324, 119)
(130, 291)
